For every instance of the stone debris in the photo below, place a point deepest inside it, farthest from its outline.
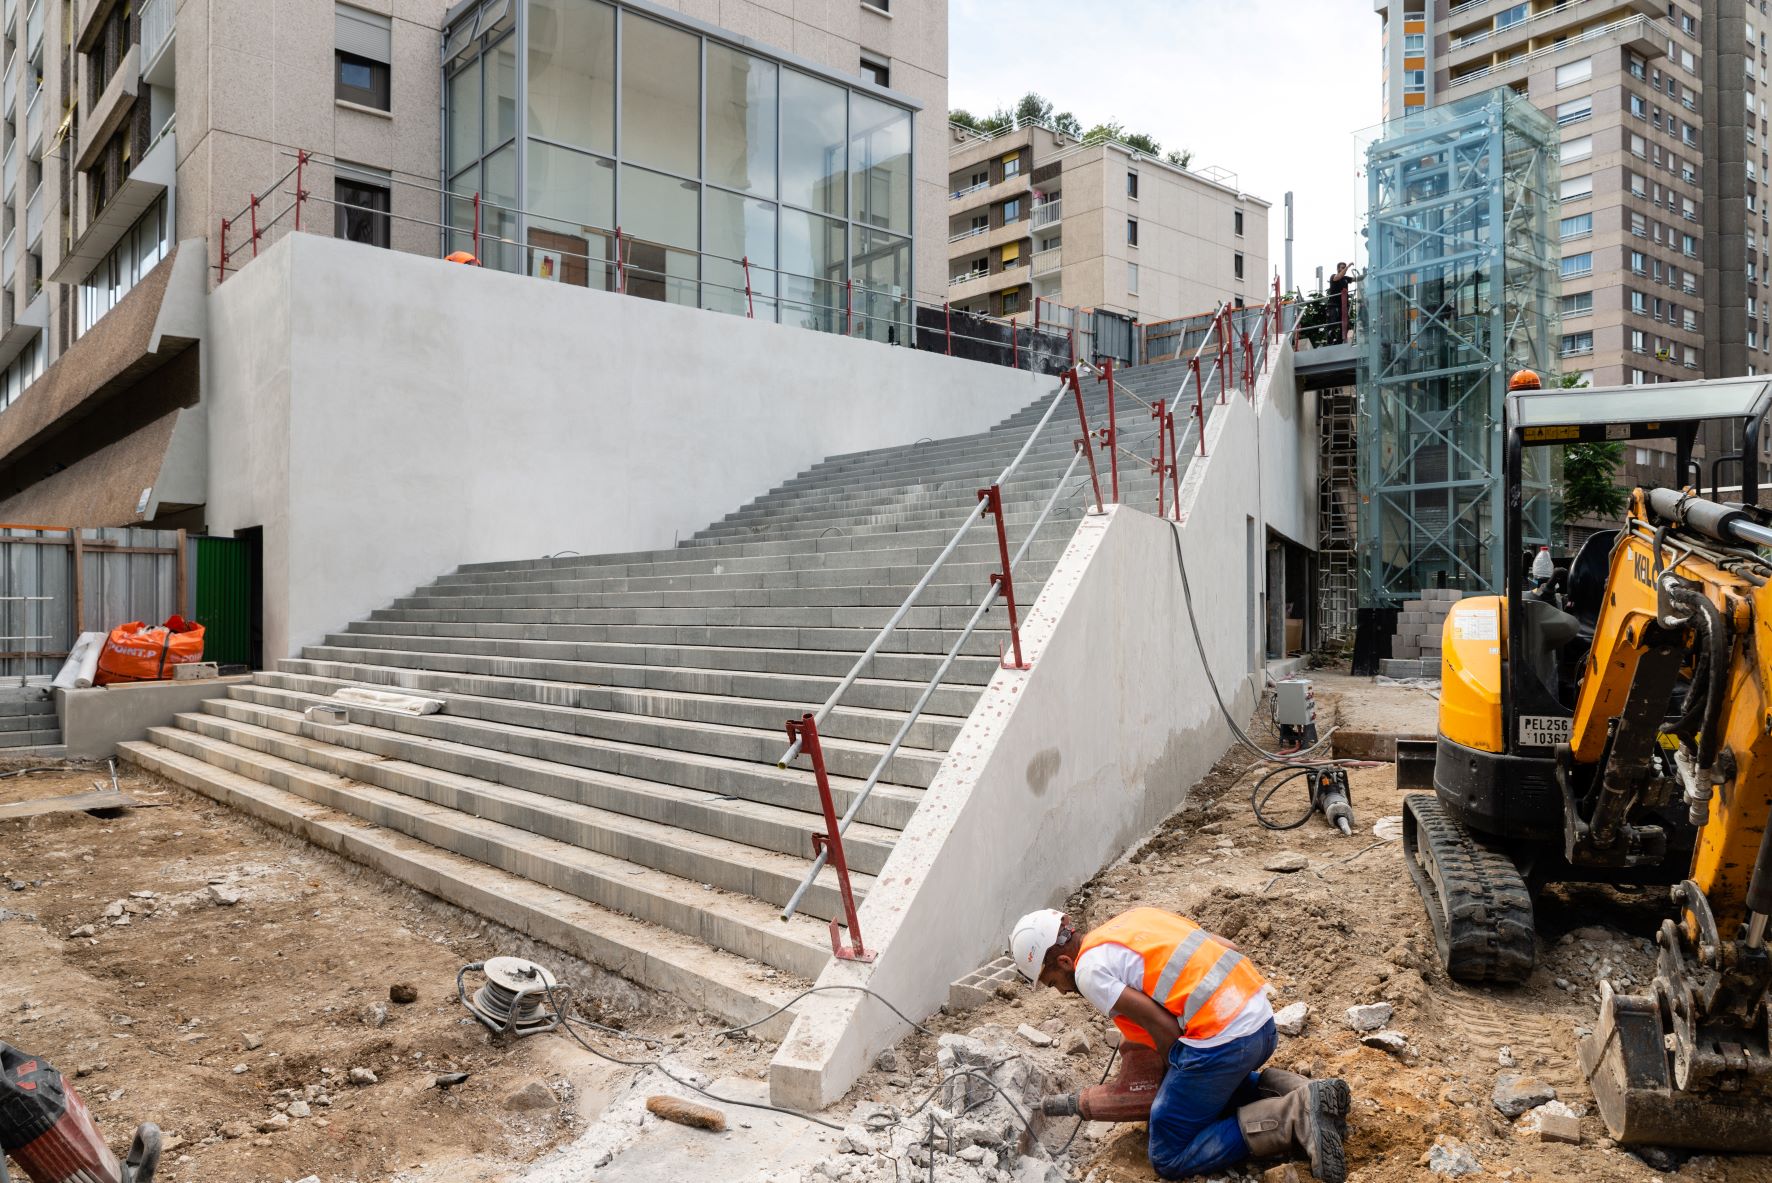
(299, 1109)
(1077, 1043)
(444, 1080)
(222, 896)
(273, 1123)
(856, 1140)
(377, 1015)
(1034, 1035)
(701, 1117)
(361, 1076)
(403, 993)
(1290, 1020)
(239, 1069)
(1286, 863)
(1515, 1094)
(1553, 1121)
(1557, 1127)
(85, 930)
(1394, 1042)
(534, 1095)
(1505, 1057)
(250, 1041)
(1451, 1158)
(1370, 1016)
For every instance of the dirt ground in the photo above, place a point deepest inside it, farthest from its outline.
(212, 1018)
(1348, 930)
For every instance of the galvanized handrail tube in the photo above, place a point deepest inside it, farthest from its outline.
(910, 600)
(916, 711)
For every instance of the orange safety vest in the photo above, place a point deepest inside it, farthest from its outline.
(1191, 973)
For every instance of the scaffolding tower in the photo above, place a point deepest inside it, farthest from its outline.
(1460, 291)
(1338, 498)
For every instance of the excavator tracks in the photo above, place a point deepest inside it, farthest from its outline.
(1479, 905)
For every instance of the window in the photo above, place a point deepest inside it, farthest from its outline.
(1639, 262)
(1511, 16)
(364, 47)
(1011, 167)
(1575, 110)
(1573, 187)
(1638, 146)
(1634, 64)
(1414, 44)
(1639, 303)
(362, 210)
(1639, 226)
(878, 5)
(1639, 341)
(1637, 378)
(1012, 301)
(1132, 278)
(1577, 304)
(1580, 264)
(1578, 226)
(1131, 231)
(1237, 264)
(1639, 106)
(1237, 222)
(875, 70)
(1577, 343)
(1132, 185)
(1012, 210)
(1574, 73)
(1579, 148)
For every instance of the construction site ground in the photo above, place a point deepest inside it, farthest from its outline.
(232, 1005)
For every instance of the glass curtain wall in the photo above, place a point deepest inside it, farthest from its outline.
(731, 181)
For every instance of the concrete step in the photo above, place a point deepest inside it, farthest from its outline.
(542, 623)
(678, 852)
(541, 679)
(552, 707)
(684, 967)
(833, 595)
(765, 784)
(723, 920)
(476, 638)
(40, 737)
(35, 721)
(1020, 517)
(25, 708)
(653, 749)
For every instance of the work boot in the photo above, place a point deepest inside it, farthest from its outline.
(1307, 1121)
(1277, 1082)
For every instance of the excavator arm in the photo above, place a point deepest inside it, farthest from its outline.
(1673, 714)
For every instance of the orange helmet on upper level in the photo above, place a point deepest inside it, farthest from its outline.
(1524, 380)
(461, 257)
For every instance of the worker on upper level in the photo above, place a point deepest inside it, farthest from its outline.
(1171, 985)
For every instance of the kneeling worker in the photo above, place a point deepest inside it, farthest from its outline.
(1169, 984)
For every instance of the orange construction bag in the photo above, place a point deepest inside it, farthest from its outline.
(136, 653)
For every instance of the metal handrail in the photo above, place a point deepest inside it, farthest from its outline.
(1552, 50)
(891, 624)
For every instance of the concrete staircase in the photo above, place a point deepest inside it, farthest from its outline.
(602, 774)
(27, 718)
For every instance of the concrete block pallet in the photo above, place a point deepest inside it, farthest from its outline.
(602, 773)
(1415, 646)
(27, 719)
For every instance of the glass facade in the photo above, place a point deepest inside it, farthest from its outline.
(142, 247)
(1461, 290)
(581, 124)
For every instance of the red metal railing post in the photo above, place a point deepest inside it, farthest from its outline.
(1174, 463)
(1112, 438)
(253, 206)
(1157, 465)
(1248, 366)
(477, 257)
(301, 158)
(947, 320)
(750, 305)
(221, 268)
(1004, 579)
(621, 270)
(1083, 440)
(1199, 401)
(805, 730)
(849, 308)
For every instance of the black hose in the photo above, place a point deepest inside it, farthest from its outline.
(1281, 777)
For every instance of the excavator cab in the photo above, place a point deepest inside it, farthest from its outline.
(1609, 719)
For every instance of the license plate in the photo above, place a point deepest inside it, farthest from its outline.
(1544, 731)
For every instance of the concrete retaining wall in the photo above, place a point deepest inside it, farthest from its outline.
(96, 720)
(386, 417)
(1061, 769)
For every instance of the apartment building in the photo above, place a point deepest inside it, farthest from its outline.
(729, 137)
(1034, 213)
(1625, 82)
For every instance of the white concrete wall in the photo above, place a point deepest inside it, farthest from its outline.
(1061, 769)
(387, 417)
(1289, 457)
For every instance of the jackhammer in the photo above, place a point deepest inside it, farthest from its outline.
(48, 1131)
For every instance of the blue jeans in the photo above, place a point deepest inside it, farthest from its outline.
(1194, 1128)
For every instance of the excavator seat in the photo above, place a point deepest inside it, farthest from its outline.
(1587, 579)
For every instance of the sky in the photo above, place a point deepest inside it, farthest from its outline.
(1272, 90)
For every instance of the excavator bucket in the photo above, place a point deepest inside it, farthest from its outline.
(1626, 1061)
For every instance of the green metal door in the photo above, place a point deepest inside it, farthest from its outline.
(224, 599)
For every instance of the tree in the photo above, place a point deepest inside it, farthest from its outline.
(1180, 159)
(1137, 139)
(1033, 109)
(1590, 487)
(1068, 124)
(963, 118)
(1111, 130)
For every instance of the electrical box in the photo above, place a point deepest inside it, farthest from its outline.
(1295, 703)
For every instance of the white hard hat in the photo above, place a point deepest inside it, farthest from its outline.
(1033, 935)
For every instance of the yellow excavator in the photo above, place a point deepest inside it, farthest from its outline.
(1611, 722)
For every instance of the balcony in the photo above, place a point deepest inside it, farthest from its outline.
(11, 97)
(112, 108)
(977, 197)
(89, 21)
(1550, 23)
(18, 331)
(9, 172)
(10, 11)
(94, 239)
(973, 232)
(34, 28)
(8, 261)
(969, 190)
(1638, 34)
(158, 35)
(34, 125)
(1047, 213)
(1046, 262)
(34, 216)
(981, 283)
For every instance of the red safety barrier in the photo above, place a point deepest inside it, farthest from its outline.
(1083, 440)
(221, 268)
(805, 730)
(1004, 579)
(1248, 366)
(1157, 464)
(252, 205)
(1175, 462)
(301, 194)
(1199, 401)
(750, 305)
(1111, 436)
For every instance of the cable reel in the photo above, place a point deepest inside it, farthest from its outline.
(511, 997)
